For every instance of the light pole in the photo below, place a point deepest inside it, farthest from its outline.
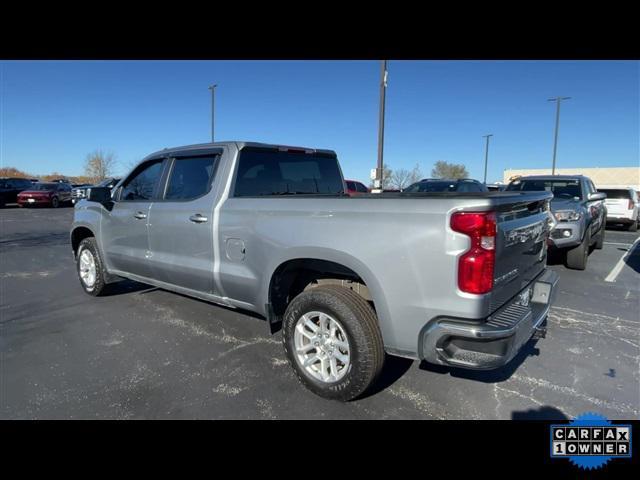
(213, 100)
(486, 155)
(555, 141)
(383, 89)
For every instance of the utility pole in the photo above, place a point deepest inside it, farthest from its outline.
(486, 155)
(383, 89)
(213, 100)
(555, 141)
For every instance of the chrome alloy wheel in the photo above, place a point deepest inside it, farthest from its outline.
(322, 347)
(87, 268)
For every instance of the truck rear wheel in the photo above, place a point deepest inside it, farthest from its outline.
(332, 340)
(633, 226)
(90, 267)
(577, 257)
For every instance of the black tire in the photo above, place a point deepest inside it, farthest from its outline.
(360, 324)
(577, 257)
(55, 203)
(599, 245)
(633, 227)
(98, 287)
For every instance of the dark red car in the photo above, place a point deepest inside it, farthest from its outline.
(45, 194)
(355, 187)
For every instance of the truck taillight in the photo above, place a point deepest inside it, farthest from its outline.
(631, 205)
(475, 266)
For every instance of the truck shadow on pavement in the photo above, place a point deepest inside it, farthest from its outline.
(545, 412)
(632, 259)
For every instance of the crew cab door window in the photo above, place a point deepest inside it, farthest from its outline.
(142, 184)
(190, 178)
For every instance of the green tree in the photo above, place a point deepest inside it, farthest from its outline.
(443, 169)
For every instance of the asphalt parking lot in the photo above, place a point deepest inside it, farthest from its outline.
(146, 353)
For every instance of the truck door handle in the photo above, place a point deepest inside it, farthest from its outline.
(197, 218)
(140, 215)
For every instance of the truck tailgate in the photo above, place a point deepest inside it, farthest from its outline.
(523, 226)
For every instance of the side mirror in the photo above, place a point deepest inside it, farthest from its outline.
(597, 196)
(99, 194)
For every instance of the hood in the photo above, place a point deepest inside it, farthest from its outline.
(564, 204)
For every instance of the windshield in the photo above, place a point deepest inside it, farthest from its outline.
(44, 186)
(559, 188)
(108, 182)
(437, 186)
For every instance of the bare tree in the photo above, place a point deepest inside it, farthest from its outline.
(402, 178)
(444, 169)
(99, 165)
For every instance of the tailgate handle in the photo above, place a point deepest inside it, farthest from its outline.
(140, 215)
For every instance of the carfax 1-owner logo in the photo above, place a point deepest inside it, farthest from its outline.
(590, 441)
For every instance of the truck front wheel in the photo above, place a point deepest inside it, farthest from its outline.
(332, 340)
(90, 268)
(577, 257)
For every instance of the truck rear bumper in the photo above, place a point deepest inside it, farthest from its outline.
(496, 340)
(621, 218)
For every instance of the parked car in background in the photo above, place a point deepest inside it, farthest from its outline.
(80, 192)
(355, 187)
(579, 210)
(11, 187)
(455, 279)
(446, 185)
(45, 194)
(622, 207)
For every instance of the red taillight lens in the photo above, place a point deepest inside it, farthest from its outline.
(475, 267)
(631, 205)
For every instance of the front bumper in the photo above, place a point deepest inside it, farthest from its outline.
(496, 340)
(565, 235)
(33, 201)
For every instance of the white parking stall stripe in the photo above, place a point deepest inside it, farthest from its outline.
(616, 270)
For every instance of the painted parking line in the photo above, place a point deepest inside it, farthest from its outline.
(618, 268)
(620, 244)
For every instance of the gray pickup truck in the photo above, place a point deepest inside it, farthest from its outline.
(579, 210)
(456, 279)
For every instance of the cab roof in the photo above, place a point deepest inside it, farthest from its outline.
(240, 145)
(550, 177)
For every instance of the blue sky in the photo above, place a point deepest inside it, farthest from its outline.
(52, 114)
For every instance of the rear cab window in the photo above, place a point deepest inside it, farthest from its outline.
(616, 193)
(278, 173)
(560, 188)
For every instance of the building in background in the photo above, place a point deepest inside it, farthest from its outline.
(603, 177)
